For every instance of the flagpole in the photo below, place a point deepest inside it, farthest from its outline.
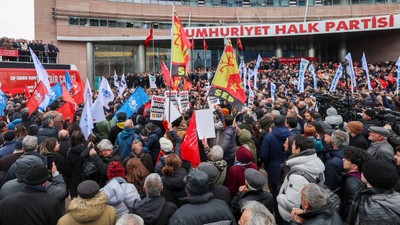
(170, 64)
(204, 51)
(154, 56)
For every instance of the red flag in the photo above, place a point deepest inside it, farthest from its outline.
(391, 78)
(167, 75)
(27, 93)
(149, 38)
(68, 111)
(66, 96)
(179, 49)
(187, 86)
(205, 44)
(36, 98)
(239, 43)
(190, 146)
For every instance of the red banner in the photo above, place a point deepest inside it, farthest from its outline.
(8, 52)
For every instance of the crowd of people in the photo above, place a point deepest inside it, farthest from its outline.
(46, 52)
(282, 160)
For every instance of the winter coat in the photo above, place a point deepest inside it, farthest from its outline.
(202, 209)
(154, 210)
(273, 152)
(352, 185)
(30, 206)
(235, 177)
(228, 144)
(325, 215)
(7, 161)
(124, 141)
(153, 144)
(91, 211)
(174, 186)
(382, 151)
(115, 130)
(46, 132)
(101, 164)
(221, 192)
(74, 166)
(119, 191)
(245, 139)
(334, 168)
(359, 141)
(7, 148)
(103, 128)
(369, 123)
(374, 206)
(290, 192)
(241, 198)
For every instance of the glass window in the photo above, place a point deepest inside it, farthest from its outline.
(121, 23)
(112, 23)
(103, 23)
(82, 21)
(94, 22)
(73, 21)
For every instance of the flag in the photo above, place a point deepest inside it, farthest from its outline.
(97, 111)
(179, 49)
(239, 44)
(190, 145)
(187, 85)
(134, 102)
(37, 97)
(351, 71)
(398, 75)
(273, 89)
(116, 83)
(55, 92)
(78, 91)
(66, 96)
(312, 70)
(68, 111)
(27, 92)
(205, 46)
(68, 81)
(149, 38)
(167, 75)
(302, 71)
(335, 81)
(365, 67)
(258, 63)
(41, 72)
(152, 80)
(122, 86)
(105, 93)
(3, 102)
(86, 121)
(88, 94)
(227, 83)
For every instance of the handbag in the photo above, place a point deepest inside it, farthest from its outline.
(88, 169)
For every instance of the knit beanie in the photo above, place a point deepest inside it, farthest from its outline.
(196, 182)
(115, 169)
(331, 111)
(36, 175)
(166, 145)
(380, 174)
(244, 155)
(355, 127)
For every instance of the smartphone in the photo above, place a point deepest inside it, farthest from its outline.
(50, 161)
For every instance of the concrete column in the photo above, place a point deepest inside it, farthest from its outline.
(90, 63)
(311, 48)
(278, 49)
(142, 58)
(190, 64)
(342, 48)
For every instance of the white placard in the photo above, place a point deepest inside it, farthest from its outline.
(157, 108)
(175, 114)
(205, 123)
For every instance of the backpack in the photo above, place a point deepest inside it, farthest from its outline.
(333, 199)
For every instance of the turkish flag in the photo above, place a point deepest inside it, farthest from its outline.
(166, 73)
(239, 43)
(205, 45)
(149, 38)
(37, 97)
(190, 146)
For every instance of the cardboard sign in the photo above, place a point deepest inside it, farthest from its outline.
(157, 109)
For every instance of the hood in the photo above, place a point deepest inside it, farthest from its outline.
(87, 210)
(198, 199)
(175, 181)
(281, 133)
(127, 133)
(324, 212)
(244, 137)
(307, 162)
(120, 125)
(334, 120)
(115, 191)
(150, 209)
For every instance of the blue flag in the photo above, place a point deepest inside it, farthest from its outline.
(3, 102)
(68, 81)
(133, 103)
(55, 92)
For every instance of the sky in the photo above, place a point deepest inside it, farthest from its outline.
(17, 19)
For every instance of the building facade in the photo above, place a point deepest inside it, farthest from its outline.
(101, 36)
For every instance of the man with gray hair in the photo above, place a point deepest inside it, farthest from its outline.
(47, 130)
(130, 219)
(334, 158)
(255, 213)
(380, 149)
(154, 208)
(316, 207)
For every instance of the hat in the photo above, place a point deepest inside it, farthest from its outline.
(115, 169)
(254, 178)
(379, 130)
(268, 105)
(196, 182)
(9, 135)
(370, 113)
(380, 174)
(309, 130)
(11, 126)
(331, 111)
(23, 164)
(225, 111)
(33, 129)
(355, 127)
(244, 155)
(210, 170)
(88, 189)
(166, 145)
(36, 175)
(18, 143)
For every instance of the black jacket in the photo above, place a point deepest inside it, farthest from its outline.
(154, 211)
(326, 216)
(74, 166)
(351, 186)
(174, 187)
(102, 165)
(359, 141)
(260, 196)
(202, 209)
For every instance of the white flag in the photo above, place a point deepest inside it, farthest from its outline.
(105, 93)
(122, 86)
(302, 71)
(88, 95)
(116, 84)
(97, 111)
(351, 72)
(42, 76)
(335, 81)
(398, 74)
(258, 63)
(152, 80)
(86, 122)
(365, 67)
(312, 70)
(273, 89)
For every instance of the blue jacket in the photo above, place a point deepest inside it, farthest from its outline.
(124, 141)
(153, 144)
(273, 152)
(7, 148)
(334, 168)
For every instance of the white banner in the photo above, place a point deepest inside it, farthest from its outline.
(366, 70)
(302, 72)
(312, 70)
(205, 121)
(157, 108)
(212, 101)
(184, 101)
(273, 89)
(350, 70)
(335, 81)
